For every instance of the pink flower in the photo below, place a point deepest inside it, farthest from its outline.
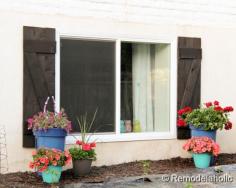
(31, 165)
(57, 156)
(42, 160)
(67, 154)
(69, 127)
(34, 152)
(30, 123)
(55, 150)
(42, 169)
(201, 145)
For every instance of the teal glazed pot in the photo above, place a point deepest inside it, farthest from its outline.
(52, 174)
(202, 160)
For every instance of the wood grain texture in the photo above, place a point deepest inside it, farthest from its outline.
(189, 77)
(39, 74)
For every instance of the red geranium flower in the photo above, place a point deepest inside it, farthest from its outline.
(187, 109)
(216, 103)
(208, 104)
(184, 110)
(218, 108)
(181, 112)
(228, 109)
(93, 144)
(86, 147)
(181, 123)
(228, 125)
(78, 142)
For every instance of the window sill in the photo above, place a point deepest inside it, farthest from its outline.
(125, 137)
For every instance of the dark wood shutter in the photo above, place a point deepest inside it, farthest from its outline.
(189, 76)
(39, 74)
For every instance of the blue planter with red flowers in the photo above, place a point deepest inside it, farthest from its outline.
(51, 138)
(201, 132)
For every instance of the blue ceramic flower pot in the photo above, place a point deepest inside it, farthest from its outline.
(51, 138)
(201, 132)
(52, 174)
(202, 160)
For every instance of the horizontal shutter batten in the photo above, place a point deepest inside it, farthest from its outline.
(190, 53)
(40, 46)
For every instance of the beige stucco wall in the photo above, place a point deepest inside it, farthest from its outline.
(218, 79)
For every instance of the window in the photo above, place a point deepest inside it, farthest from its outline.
(145, 87)
(88, 81)
(129, 82)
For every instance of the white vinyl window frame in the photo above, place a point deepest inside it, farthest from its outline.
(117, 136)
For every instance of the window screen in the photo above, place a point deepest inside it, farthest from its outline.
(87, 81)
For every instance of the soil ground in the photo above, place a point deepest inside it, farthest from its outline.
(104, 173)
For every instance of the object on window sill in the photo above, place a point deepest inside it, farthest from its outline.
(128, 126)
(137, 126)
(122, 126)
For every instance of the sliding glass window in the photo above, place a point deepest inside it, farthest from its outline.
(145, 87)
(88, 81)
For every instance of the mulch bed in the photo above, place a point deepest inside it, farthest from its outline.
(104, 173)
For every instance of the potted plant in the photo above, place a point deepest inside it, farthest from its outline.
(50, 163)
(205, 120)
(50, 128)
(83, 153)
(202, 149)
(82, 156)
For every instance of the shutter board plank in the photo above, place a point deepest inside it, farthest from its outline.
(184, 67)
(187, 42)
(191, 84)
(40, 46)
(39, 74)
(38, 80)
(189, 77)
(28, 141)
(37, 33)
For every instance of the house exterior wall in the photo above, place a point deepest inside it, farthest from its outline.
(146, 19)
(147, 11)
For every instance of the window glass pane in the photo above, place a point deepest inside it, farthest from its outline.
(145, 87)
(88, 81)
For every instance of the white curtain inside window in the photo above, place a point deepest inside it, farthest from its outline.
(150, 71)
